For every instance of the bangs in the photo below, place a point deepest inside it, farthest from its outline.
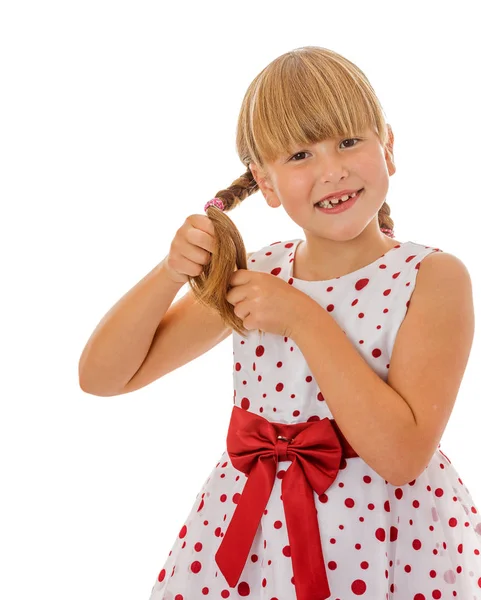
(302, 100)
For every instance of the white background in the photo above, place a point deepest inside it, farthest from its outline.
(117, 122)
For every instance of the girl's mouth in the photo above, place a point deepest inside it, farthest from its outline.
(340, 206)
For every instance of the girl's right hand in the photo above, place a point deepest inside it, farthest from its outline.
(190, 249)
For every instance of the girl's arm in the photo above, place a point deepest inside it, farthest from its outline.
(395, 426)
(141, 339)
(121, 340)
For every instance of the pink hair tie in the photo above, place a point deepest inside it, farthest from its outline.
(214, 202)
(387, 231)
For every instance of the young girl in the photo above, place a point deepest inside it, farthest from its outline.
(349, 350)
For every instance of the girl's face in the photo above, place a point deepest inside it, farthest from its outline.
(298, 181)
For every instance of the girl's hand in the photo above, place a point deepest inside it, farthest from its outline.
(191, 248)
(264, 301)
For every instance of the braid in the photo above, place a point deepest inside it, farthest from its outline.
(211, 286)
(238, 191)
(386, 224)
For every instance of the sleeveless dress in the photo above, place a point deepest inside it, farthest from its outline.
(418, 541)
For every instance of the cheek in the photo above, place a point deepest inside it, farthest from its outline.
(372, 171)
(296, 183)
(373, 163)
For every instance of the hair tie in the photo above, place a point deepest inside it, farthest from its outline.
(389, 232)
(217, 202)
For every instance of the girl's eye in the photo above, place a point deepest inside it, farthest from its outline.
(297, 154)
(346, 140)
(350, 140)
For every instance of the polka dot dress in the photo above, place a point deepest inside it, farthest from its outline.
(420, 541)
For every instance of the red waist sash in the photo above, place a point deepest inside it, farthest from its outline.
(255, 446)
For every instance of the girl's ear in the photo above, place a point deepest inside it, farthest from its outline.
(262, 179)
(256, 172)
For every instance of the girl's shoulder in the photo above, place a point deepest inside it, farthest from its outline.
(438, 261)
(440, 270)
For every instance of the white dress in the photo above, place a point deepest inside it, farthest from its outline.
(419, 541)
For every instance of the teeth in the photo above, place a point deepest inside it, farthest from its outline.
(333, 201)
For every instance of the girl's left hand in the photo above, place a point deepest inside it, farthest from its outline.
(264, 301)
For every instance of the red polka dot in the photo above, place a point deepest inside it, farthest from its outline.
(358, 587)
(196, 566)
(245, 403)
(361, 283)
(243, 589)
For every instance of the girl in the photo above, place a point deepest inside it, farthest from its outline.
(332, 484)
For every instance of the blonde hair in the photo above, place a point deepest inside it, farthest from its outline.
(304, 96)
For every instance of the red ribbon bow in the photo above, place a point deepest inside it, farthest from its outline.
(255, 446)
